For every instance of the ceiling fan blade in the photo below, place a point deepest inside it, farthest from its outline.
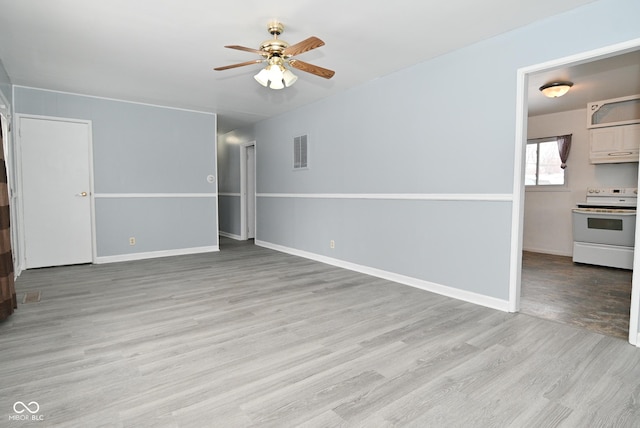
(303, 46)
(243, 48)
(313, 69)
(242, 64)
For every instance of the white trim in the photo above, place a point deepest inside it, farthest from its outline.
(7, 135)
(217, 199)
(467, 296)
(229, 194)
(547, 251)
(489, 197)
(517, 217)
(230, 235)
(18, 173)
(156, 254)
(155, 195)
(112, 99)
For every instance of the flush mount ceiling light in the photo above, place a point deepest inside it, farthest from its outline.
(277, 54)
(555, 89)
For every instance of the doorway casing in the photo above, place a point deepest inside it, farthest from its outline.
(247, 191)
(517, 215)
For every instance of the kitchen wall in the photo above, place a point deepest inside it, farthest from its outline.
(150, 173)
(411, 175)
(547, 214)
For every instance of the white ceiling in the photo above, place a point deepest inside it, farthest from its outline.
(612, 77)
(163, 51)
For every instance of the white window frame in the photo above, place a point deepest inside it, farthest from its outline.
(545, 187)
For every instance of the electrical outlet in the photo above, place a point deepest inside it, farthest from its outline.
(132, 241)
(332, 244)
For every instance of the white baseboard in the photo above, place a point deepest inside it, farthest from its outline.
(230, 235)
(547, 251)
(467, 296)
(155, 254)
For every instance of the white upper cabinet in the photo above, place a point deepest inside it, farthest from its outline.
(614, 144)
(614, 130)
(613, 112)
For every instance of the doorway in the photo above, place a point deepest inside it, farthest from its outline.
(248, 190)
(55, 168)
(519, 193)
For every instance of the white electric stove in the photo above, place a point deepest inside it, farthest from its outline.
(604, 227)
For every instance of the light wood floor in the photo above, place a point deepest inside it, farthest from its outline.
(252, 337)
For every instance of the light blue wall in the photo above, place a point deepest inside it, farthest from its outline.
(5, 83)
(148, 150)
(446, 126)
(229, 178)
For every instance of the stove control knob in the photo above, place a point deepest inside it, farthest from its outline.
(635, 191)
(590, 190)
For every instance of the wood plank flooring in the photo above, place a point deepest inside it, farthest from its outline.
(250, 337)
(597, 298)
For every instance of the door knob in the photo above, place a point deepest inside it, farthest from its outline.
(83, 194)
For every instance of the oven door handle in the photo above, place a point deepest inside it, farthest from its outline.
(603, 211)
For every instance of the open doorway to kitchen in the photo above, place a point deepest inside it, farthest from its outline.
(594, 295)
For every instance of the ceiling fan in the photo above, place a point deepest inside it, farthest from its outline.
(278, 54)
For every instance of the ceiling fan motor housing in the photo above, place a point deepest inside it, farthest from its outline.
(274, 46)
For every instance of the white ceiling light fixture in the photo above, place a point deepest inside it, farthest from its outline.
(555, 89)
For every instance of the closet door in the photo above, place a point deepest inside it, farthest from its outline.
(55, 160)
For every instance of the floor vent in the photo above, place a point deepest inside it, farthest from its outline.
(31, 297)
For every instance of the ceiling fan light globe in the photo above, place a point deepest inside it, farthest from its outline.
(276, 84)
(275, 73)
(262, 77)
(289, 78)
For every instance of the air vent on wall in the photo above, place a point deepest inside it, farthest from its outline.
(300, 151)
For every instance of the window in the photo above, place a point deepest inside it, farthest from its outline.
(300, 160)
(542, 167)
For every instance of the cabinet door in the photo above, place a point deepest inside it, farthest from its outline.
(630, 137)
(605, 140)
(614, 144)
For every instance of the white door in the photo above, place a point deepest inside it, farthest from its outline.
(56, 185)
(251, 192)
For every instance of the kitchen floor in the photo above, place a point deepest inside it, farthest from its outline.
(593, 297)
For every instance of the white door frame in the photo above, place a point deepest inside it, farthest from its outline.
(517, 214)
(7, 135)
(18, 175)
(243, 188)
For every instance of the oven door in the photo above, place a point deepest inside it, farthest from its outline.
(601, 226)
